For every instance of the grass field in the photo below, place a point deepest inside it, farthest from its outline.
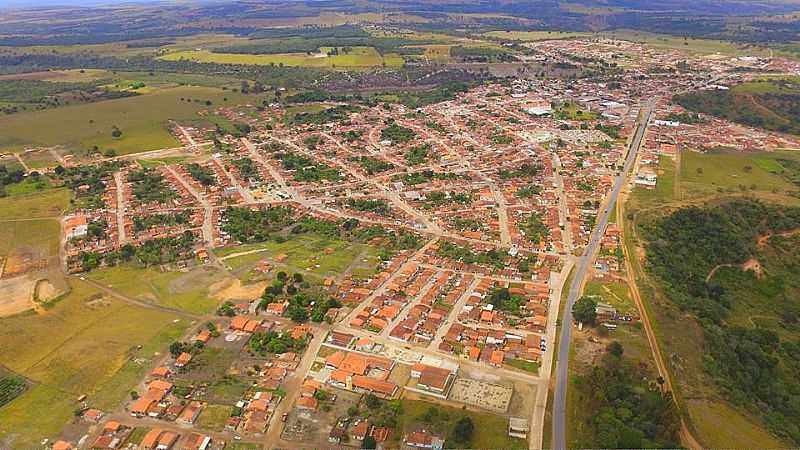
(664, 190)
(358, 57)
(616, 294)
(727, 171)
(186, 291)
(47, 204)
(491, 431)
(142, 119)
(84, 344)
(702, 46)
(313, 256)
(34, 236)
(659, 41)
(714, 418)
(213, 417)
(27, 186)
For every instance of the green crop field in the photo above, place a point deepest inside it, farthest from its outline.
(84, 344)
(358, 57)
(142, 119)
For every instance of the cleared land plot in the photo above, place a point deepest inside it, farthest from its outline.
(358, 57)
(189, 291)
(213, 417)
(84, 344)
(142, 119)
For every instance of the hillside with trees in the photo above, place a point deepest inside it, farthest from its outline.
(749, 318)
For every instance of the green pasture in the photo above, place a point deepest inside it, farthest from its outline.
(187, 291)
(143, 120)
(86, 344)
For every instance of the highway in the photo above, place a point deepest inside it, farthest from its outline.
(562, 370)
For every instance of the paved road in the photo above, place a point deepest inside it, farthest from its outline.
(562, 370)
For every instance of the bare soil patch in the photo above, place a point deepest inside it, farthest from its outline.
(16, 295)
(229, 289)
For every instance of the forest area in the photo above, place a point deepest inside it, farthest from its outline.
(752, 362)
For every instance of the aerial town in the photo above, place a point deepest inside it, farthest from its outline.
(475, 211)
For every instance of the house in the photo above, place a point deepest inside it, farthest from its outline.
(197, 441)
(190, 413)
(63, 445)
(161, 372)
(277, 308)
(76, 226)
(93, 415)
(380, 387)
(421, 439)
(340, 339)
(300, 332)
(156, 391)
(361, 430)
(307, 403)
(150, 440)
(203, 336)
(183, 359)
(241, 323)
(167, 440)
(433, 379)
(497, 358)
(380, 434)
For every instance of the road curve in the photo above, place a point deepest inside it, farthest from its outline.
(582, 268)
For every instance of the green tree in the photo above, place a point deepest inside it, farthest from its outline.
(584, 310)
(372, 401)
(369, 442)
(463, 431)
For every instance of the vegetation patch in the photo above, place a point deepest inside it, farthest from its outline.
(750, 363)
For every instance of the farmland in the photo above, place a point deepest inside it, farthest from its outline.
(358, 57)
(142, 119)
